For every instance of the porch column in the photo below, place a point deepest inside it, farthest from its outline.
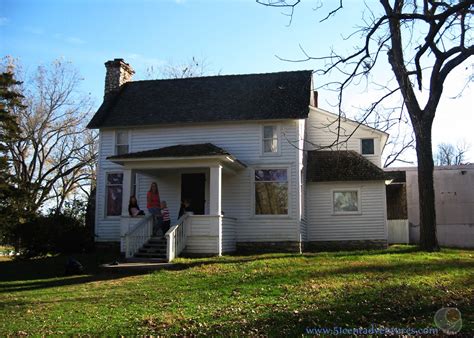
(126, 190)
(215, 190)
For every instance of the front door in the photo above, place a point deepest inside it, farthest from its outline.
(193, 189)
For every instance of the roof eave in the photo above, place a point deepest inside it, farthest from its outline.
(225, 158)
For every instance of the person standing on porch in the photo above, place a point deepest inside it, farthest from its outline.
(153, 205)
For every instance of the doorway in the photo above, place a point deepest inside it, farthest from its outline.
(193, 188)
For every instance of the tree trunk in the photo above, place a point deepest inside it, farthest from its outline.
(424, 153)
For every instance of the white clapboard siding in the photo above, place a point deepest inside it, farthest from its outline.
(322, 132)
(202, 245)
(228, 234)
(241, 139)
(106, 228)
(169, 187)
(398, 231)
(323, 225)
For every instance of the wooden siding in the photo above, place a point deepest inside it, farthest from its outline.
(228, 234)
(321, 133)
(106, 228)
(370, 224)
(203, 234)
(243, 140)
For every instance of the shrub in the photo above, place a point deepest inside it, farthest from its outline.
(53, 234)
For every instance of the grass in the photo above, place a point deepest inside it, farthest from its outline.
(272, 294)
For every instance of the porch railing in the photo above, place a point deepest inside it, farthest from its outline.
(176, 238)
(138, 235)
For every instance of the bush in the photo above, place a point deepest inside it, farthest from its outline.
(53, 234)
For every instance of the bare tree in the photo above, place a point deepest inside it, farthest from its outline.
(193, 67)
(423, 42)
(55, 154)
(448, 154)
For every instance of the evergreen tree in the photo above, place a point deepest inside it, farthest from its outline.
(10, 196)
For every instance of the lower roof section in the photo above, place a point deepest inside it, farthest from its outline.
(198, 153)
(341, 165)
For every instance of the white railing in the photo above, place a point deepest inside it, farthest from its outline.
(138, 235)
(176, 238)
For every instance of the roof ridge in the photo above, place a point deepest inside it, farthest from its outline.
(223, 76)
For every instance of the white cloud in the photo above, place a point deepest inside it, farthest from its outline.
(143, 60)
(69, 39)
(3, 21)
(74, 40)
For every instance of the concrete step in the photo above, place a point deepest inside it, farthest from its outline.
(159, 252)
(150, 255)
(156, 242)
(145, 260)
(154, 245)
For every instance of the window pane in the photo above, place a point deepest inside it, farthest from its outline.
(122, 150)
(368, 146)
(275, 175)
(269, 132)
(122, 137)
(271, 198)
(345, 201)
(270, 146)
(114, 200)
(115, 178)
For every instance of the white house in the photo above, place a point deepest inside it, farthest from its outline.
(253, 153)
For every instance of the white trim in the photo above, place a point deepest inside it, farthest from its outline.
(384, 135)
(128, 139)
(361, 148)
(287, 167)
(262, 139)
(359, 201)
(106, 173)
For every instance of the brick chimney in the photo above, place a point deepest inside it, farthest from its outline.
(117, 73)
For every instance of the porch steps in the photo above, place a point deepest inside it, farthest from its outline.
(155, 248)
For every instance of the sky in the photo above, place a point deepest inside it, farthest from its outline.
(232, 36)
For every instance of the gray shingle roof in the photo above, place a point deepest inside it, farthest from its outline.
(282, 95)
(180, 150)
(326, 166)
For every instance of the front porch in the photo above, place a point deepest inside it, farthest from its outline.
(204, 230)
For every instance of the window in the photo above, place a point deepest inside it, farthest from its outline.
(271, 192)
(346, 201)
(121, 142)
(270, 139)
(114, 194)
(367, 146)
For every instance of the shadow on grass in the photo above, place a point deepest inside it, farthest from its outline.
(396, 306)
(47, 272)
(247, 258)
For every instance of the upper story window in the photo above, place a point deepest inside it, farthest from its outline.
(367, 146)
(270, 140)
(271, 192)
(346, 201)
(121, 142)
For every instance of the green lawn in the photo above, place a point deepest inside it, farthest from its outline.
(273, 294)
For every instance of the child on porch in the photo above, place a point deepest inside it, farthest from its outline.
(165, 213)
(133, 208)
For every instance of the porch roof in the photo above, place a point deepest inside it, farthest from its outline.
(341, 165)
(181, 152)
